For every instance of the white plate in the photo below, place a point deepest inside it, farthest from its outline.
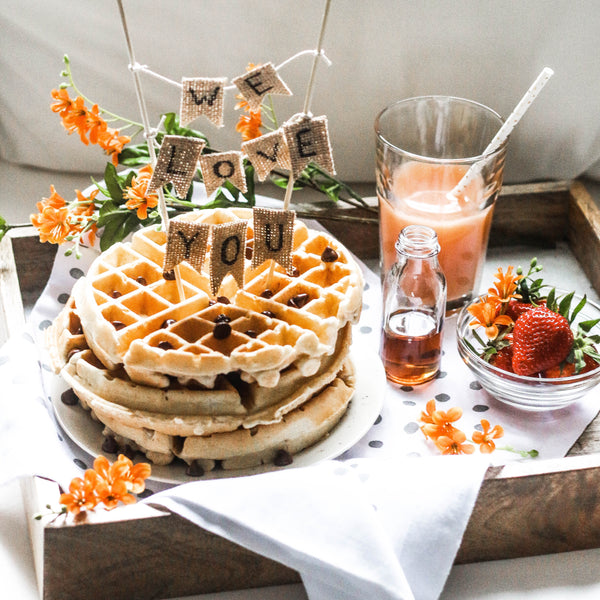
(364, 409)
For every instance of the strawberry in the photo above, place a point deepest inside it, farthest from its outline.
(541, 339)
(516, 308)
(503, 359)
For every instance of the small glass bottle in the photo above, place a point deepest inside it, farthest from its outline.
(414, 304)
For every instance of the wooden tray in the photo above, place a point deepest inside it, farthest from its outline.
(523, 509)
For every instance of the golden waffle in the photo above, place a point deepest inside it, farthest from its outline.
(133, 317)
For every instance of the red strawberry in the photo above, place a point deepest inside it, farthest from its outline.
(516, 308)
(503, 359)
(541, 339)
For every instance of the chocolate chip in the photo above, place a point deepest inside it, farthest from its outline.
(283, 458)
(329, 255)
(169, 275)
(212, 302)
(295, 272)
(267, 294)
(254, 431)
(223, 300)
(222, 331)
(298, 301)
(141, 280)
(109, 445)
(164, 345)
(78, 331)
(194, 469)
(69, 398)
(249, 252)
(116, 294)
(118, 325)
(222, 318)
(268, 313)
(167, 323)
(129, 452)
(251, 333)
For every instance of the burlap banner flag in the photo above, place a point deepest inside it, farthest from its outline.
(177, 161)
(273, 237)
(308, 141)
(228, 251)
(185, 241)
(267, 152)
(260, 81)
(220, 167)
(202, 96)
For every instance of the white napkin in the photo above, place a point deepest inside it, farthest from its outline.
(385, 529)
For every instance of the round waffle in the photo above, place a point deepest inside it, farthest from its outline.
(133, 317)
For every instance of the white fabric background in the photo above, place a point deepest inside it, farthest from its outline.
(382, 51)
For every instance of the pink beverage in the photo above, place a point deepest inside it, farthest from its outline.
(420, 198)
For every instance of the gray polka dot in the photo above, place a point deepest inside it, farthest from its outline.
(481, 408)
(44, 324)
(63, 298)
(365, 306)
(80, 463)
(441, 375)
(475, 385)
(378, 420)
(409, 402)
(47, 368)
(145, 494)
(365, 329)
(407, 388)
(479, 427)
(375, 444)
(442, 397)
(366, 287)
(76, 273)
(411, 427)
(413, 455)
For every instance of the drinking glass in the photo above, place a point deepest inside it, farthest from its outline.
(424, 148)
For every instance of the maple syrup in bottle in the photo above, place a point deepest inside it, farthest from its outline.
(414, 304)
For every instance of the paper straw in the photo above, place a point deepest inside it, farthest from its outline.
(506, 129)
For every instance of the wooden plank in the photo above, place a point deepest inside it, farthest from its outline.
(534, 508)
(584, 232)
(11, 304)
(34, 262)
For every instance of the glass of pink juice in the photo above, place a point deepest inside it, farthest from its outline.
(425, 146)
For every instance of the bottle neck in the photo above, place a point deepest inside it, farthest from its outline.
(417, 241)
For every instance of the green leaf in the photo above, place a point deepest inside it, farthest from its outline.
(587, 325)
(113, 185)
(578, 308)
(4, 227)
(565, 305)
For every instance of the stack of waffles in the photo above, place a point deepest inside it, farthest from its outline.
(249, 377)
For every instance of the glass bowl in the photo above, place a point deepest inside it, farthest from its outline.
(528, 393)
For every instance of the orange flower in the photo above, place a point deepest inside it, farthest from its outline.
(505, 285)
(441, 423)
(249, 125)
(454, 443)
(112, 143)
(83, 210)
(134, 476)
(137, 198)
(485, 438)
(75, 119)
(427, 414)
(486, 315)
(53, 222)
(95, 123)
(63, 102)
(111, 493)
(81, 495)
